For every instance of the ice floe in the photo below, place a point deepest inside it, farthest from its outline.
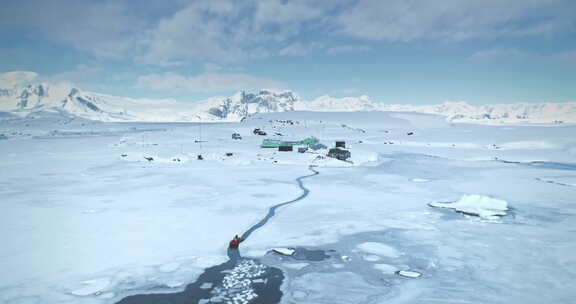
(284, 251)
(478, 205)
(409, 274)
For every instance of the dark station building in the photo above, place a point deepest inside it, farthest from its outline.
(339, 154)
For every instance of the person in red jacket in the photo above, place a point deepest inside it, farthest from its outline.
(235, 242)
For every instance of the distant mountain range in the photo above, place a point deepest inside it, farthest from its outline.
(31, 98)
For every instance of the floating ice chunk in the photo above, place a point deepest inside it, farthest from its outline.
(236, 286)
(206, 285)
(92, 287)
(409, 274)
(284, 251)
(478, 205)
(379, 249)
(345, 258)
(386, 268)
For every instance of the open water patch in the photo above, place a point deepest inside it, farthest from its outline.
(303, 254)
(236, 281)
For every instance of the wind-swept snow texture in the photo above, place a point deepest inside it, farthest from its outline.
(92, 212)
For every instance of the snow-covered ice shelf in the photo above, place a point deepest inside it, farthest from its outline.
(479, 205)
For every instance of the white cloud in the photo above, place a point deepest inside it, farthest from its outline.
(208, 82)
(224, 31)
(103, 28)
(401, 20)
(16, 78)
(201, 30)
(229, 30)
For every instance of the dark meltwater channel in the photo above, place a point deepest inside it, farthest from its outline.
(238, 281)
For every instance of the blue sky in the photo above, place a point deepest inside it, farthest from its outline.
(395, 51)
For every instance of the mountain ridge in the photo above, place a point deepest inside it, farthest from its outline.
(30, 98)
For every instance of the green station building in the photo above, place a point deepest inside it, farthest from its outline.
(311, 142)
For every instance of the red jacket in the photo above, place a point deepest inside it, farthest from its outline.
(235, 242)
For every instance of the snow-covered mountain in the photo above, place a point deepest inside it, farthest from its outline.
(456, 111)
(43, 97)
(29, 98)
(346, 104)
(499, 113)
(242, 104)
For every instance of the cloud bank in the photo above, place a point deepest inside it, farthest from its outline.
(232, 30)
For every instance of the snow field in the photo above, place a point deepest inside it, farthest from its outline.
(80, 223)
